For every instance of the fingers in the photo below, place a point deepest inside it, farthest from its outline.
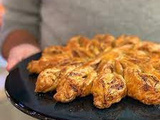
(19, 53)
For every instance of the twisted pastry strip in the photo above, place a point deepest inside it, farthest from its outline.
(77, 83)
(51, 57)
(49, 78)
(108, 88)
(143, 86)
(142, 79)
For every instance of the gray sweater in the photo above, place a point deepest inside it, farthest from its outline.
(55, 21)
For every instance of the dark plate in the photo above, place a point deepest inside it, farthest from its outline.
(20, 90)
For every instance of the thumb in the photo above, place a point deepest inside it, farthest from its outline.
(19, 53)
(11, 63)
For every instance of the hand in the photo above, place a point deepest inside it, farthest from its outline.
(20, 52)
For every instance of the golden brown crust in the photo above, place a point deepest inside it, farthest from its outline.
(142, 86)
(107, 67)
(109, 87)
(76, 83)
(47, 80)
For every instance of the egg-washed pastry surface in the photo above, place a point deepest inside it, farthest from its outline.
(109, 68)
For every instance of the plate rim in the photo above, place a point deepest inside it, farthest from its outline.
(25, 109)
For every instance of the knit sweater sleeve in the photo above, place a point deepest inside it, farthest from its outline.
(21, 14)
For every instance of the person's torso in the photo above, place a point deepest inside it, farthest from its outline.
(62, 19)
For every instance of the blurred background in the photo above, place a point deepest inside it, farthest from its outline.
(7, 110)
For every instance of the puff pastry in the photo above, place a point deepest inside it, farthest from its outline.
(109, 68)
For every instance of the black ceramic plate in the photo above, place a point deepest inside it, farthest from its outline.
(20, 90)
